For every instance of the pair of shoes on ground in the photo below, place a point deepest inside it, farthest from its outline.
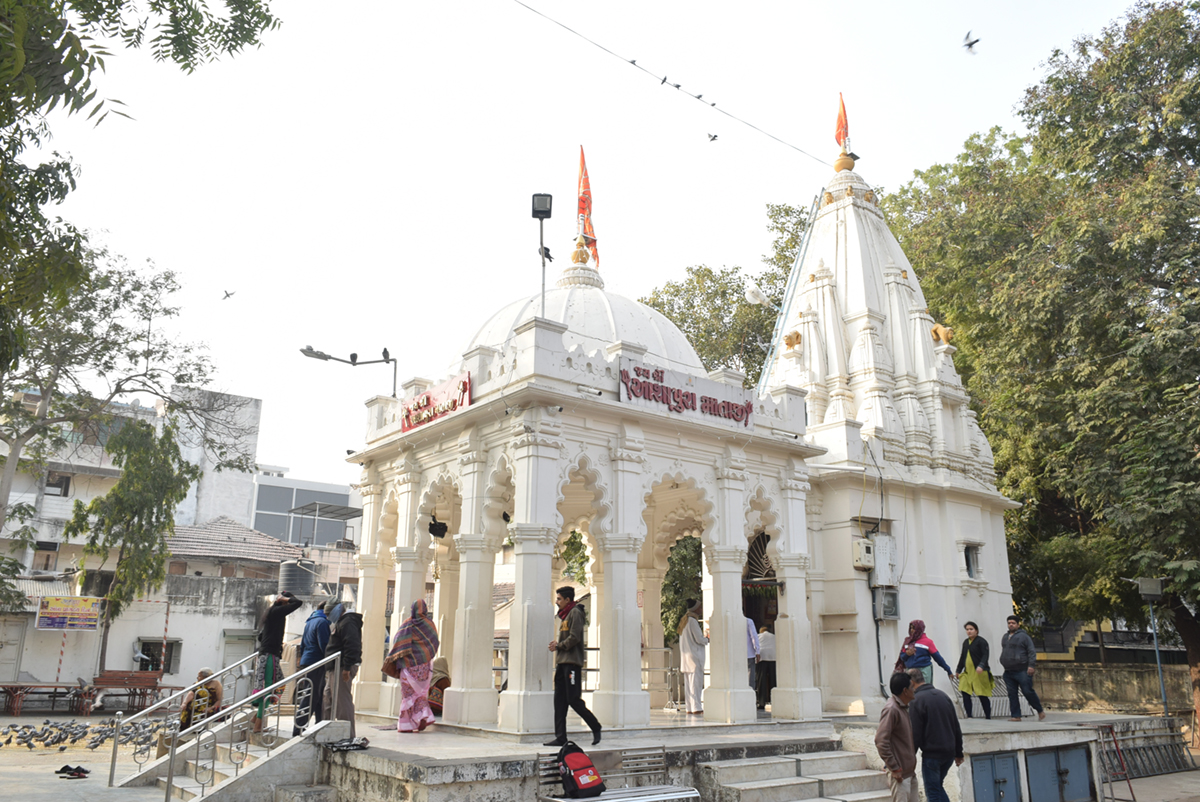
(561, 741)
(73, 772)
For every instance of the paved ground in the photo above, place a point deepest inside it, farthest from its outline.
(29, 775)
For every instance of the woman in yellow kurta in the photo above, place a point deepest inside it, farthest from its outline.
(973, 674)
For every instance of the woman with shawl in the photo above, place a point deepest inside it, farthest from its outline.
(918, 651)
(412, 652)
(974, 674)
(692, 640)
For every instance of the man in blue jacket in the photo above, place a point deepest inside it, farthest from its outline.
(312, 650)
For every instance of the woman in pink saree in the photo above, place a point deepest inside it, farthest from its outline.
(413, 650)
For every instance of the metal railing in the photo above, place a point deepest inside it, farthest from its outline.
(172, 706)
(240, 719)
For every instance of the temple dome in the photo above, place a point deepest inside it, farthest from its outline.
(595, 319)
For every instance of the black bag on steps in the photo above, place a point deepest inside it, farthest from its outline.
(579, 777)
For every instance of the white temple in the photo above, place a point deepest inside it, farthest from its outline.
(599, 417)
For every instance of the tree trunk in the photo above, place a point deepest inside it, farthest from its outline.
(107, 623)
(9, 475)
(1189, 631)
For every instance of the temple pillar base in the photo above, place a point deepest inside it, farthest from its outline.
(470, 707)
(622, 708)
(527, 711)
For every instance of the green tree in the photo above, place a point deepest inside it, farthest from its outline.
(710, 307)
(1069, 264)
(50, 55)
(574, 554)
(106, 345)
(136, 516)
(680, 583)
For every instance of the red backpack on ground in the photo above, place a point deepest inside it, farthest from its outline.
(579, 777)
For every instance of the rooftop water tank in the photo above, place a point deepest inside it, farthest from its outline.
(296, 576)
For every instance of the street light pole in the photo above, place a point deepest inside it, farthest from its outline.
(1162, 687)
(354, 361)
(542, 206)
(1151, 590)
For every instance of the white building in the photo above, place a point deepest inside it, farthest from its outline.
(599, 416)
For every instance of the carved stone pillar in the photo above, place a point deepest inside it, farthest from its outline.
(471, 699)
(650, 586)
(374, 570)
(796, 695)
(445, 602)
(620, 700)
(728, 697)
(528, 704)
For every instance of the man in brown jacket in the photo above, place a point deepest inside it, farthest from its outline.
(894, 741)
(568, 668)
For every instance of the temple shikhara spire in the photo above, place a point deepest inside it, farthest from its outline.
(585, 211)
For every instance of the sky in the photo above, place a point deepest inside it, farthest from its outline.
(363, 179)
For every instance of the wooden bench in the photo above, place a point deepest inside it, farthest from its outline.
(137, 686)
(630, 775)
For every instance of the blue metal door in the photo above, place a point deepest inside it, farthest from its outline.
(995, 777)
(1060, 775)
(1075, 776)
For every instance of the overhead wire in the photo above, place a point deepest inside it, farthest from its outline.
(664, 81)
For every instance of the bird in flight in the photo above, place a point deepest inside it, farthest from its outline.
(712, 137)
(544, 251)
(229, 294)
(970, 43)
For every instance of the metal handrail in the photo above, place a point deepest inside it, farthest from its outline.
(231, 713)
(121, 723)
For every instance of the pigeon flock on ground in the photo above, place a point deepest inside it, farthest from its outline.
(63, 734)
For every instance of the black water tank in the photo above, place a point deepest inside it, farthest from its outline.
(296, 576)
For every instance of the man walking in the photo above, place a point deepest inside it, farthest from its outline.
(1018, 656)
(568, 668)
(936, 733)
(347, 639)
(312, 650)
(894, 741)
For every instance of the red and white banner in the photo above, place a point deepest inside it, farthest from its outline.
(585, 211)
(437, 402)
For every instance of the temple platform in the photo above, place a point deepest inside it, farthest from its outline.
(477, 765)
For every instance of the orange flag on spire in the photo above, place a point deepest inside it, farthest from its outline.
(585, 211)
(842, 133)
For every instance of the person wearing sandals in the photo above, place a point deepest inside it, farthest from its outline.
(973, 672)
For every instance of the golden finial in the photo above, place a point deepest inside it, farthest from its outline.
(581, 255)
(843, 161)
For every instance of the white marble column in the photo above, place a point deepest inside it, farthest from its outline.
(445, 602)
(650, 585)
(528, 704)
(728, 697)
(374, 571)
(620, 700)
(796, 695)
(471, 697)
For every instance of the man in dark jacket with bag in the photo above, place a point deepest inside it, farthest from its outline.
(936, 733)
(312, 651)
(347, 639)
(568, 668)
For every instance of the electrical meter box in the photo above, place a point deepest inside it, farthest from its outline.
(887, 604)
(864, 554)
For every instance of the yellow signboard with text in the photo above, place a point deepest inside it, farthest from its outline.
(68, 612)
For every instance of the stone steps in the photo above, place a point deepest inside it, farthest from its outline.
(830, 762)
(787, 789)
(306, 793)
(839, 783)
(863, 796)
